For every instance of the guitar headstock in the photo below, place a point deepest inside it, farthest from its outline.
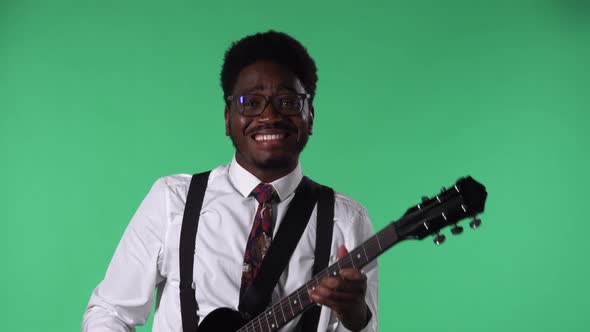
(466, 198)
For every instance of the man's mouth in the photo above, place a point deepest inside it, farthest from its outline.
(269, 137)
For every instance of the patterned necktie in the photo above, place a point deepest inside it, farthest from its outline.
(260, 235)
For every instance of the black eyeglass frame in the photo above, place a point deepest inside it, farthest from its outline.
(268, 100)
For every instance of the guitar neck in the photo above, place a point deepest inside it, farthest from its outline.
(282, 312)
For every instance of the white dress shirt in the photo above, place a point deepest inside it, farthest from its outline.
(146, 258)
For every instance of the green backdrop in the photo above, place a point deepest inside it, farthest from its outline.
(100, 98)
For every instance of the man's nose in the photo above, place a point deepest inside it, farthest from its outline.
(270, 113)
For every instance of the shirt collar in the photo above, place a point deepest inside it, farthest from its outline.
(245, 182)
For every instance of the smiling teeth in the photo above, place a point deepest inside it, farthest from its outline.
(268, 137)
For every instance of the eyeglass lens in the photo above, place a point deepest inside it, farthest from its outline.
(255, 104)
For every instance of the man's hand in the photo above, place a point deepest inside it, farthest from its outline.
(345, 295)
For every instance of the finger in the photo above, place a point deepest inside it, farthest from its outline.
(335, 298)
(357, 287)
(352, 274)
(343, 285)
(356, 283)
(342, 252)
(330, 282)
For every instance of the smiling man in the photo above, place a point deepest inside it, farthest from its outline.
(269, 119)
(246, 210)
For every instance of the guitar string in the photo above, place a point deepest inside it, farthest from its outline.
(372, 243)
(282, 304)
(303, 290)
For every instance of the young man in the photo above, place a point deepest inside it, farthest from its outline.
(269, 82)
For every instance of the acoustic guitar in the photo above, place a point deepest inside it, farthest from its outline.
(463, 200)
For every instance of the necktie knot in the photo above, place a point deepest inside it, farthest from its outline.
(263, 193)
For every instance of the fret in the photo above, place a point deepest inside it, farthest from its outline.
(372, 250)
(272, 315)
(254, 324)
(306, 299)
(249, 326)
(389, 236)
(315, 280)
(365, 251)
(262, 327)
(347, 262)
(359, 257)
(258, 324)
(333, 272)
(267, 323)
(352, 261)
(290, 306)
(283, 312)
(307, 285)
(377, 237)
(299, 298)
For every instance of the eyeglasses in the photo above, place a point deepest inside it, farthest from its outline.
(253, 105)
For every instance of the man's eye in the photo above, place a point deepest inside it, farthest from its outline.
(288, 101)
(250, 103)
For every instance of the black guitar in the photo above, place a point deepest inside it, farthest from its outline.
(465, 199)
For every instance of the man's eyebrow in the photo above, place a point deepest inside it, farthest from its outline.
(263, 87)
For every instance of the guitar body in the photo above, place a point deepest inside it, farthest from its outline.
(222, 320)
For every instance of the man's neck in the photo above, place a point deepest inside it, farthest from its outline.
(267, 175)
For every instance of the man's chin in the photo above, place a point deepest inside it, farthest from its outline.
(276, 163)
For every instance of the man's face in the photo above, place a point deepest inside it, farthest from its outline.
(271, 141)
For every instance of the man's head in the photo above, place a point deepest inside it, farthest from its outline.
(268, 81)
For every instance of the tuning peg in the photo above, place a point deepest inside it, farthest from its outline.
(475, 223)
(424, 199)
(457, 230)
(443, 190)
(439, 239)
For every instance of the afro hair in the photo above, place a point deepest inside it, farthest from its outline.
(273, 46)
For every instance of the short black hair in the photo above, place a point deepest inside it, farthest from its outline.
(273, 46)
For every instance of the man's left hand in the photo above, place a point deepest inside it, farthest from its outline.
(345, 295)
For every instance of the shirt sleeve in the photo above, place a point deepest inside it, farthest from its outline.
(360, 231)
(124, 298)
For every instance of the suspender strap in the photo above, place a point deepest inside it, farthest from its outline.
(188, 234)
(257, 297)
(323, 245)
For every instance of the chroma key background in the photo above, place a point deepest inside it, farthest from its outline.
(100, 98)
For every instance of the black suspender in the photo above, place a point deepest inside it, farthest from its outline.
(323, 244)
(258, 296)
(188, 234)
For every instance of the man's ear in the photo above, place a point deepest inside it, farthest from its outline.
(227, 125)
(310, 122)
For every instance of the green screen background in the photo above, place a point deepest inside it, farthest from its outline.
(100, 98)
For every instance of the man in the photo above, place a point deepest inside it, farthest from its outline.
(269, 82)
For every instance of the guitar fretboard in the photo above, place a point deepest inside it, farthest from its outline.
(282, 312)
